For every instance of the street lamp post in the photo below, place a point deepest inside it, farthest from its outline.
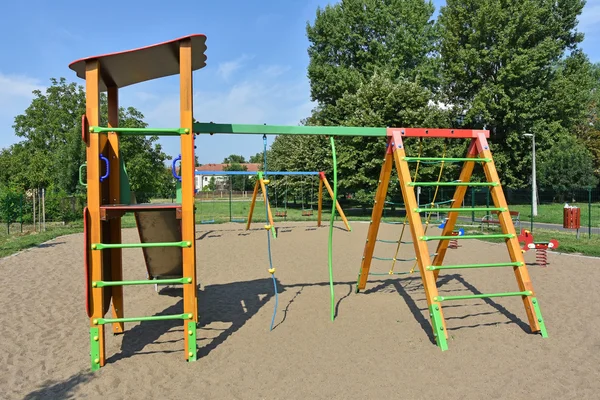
(534, 201)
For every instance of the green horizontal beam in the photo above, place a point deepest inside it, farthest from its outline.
(482, 296)
(494, 236)
(453, 184)
(102, 246)
(506, 264)
(473, 209)
(244, 129)
(449, 159)
(183, 281)
(102, 321)
(142, 131)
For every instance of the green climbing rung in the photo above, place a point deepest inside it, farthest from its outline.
(453, 184)
(383, 258)
(538, 315)
(102, 246)
(494, 236)
(506, 264)
(103, 321)
(142, 131)
(449, 159)
(472, 209)
(482, 296)
(183, 281)
(387, 241)
(387, 273)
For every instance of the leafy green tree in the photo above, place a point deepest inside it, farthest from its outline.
(9, 205)
(566, 166)
(501, 65)
(258, 158)
(51, 149)
(238, 182)
(234, 158)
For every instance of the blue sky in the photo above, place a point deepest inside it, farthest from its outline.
(256, 67)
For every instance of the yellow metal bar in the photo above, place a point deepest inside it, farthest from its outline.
(114, 194)
(269, 214)
(94, 197)
(512, 244)
(384, 181)
(416, 227)
(190, 301)
(252, 204)
(459, 194)
(320, 203)
(337, 203)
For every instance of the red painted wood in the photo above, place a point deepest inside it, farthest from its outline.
(439, 133)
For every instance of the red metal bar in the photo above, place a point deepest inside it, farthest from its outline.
(439, 133)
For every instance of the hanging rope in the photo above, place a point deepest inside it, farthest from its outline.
(271, 269)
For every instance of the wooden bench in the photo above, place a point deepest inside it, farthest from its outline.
(493, 219)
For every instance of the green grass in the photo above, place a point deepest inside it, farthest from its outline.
(567, 241)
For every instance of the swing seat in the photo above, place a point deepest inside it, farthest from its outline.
(238, 219)
(281, 214)
(307, 213)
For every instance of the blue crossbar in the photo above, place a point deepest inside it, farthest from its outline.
(281, 173)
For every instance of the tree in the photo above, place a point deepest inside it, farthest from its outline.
(9, 205)
(372, 63)
(566, 166)
(51, 149)
(258, 158)
(234, 158)
(500, 65)
(238, 182)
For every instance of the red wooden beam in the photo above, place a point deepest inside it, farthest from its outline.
(438, 133)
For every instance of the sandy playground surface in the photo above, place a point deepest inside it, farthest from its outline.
(379, 347)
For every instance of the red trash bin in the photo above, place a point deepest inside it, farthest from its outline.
(571, 217)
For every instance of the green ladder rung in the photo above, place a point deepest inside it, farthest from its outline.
(494, 236)
(102, 321)
(482, 296)
(387, 273)
(450, 159)
(182, 281)
(468, 209)
(386, 241)
(506, 264)
(453, 184)
(102, 246)
(142, 131)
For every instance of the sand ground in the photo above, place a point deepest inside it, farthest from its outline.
(379, 347)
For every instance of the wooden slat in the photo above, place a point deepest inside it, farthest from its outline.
(92, 77)
(252, 204)
(188, 231)
(337, 204)
(114, 194)
(416, 225)
(512, 244)
(380, 195)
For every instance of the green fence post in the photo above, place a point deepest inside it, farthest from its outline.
(590, 212)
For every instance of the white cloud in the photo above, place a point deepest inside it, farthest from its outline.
(15, 96)
(226, 69)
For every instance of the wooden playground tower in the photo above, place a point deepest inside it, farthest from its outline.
(173, 261)
(168, 262)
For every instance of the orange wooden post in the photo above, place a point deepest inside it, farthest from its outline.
(459, 195)
(320, 202)
(94, 194)
(506, 222)
(337, 204)
(188, 231)
(384, 182)
(416, 227)
(253, 203)
(114, 181)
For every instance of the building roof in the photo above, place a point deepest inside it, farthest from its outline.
(250, 167)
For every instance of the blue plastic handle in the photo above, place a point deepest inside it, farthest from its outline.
(178, 158)
(103, 177)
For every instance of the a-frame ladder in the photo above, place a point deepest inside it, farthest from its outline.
(429, 269)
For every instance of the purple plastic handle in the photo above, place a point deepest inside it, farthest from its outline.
(103, 177)
(178, 158)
